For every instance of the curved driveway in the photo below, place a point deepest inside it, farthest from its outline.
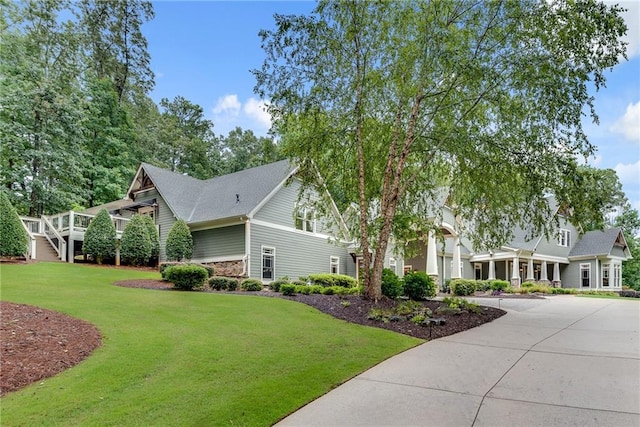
(559, 361)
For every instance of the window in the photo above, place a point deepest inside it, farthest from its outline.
(616, 275)
(585, 275)
(393, 265)
(305, 219)
(477, 267)
(334, 265)
(605, 275)
(565, 238)
(268, 263)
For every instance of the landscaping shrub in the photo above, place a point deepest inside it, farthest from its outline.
(288, 289)
(391, 284)
(419, 286)
(303, 289)
(220, 283)
(482, 285)
(630, 293)
(462, 287)
(152, 231)
(563, 291)
(499, 285)
(163, 267)
(446, 287)
(275, 285)
(528, 284)
(252, 285)
(316, 289)
(327, 280)
(100, 237)
(179, 244)
(135, 244)
(13, 237)
(186, 276)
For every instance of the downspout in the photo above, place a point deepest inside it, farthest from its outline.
(246, 260)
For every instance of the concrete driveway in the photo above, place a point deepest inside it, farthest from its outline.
(559, 361)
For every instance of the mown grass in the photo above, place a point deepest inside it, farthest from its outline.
(184, 358)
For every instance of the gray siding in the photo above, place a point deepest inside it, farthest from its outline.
(218, 242)
(551, 247)
(618, 251)
(570, 275)
(297, 254)
(164, 219)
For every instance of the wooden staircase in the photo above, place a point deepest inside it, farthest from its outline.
(44, 250)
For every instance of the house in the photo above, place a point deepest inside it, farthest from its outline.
(249, 223)
(592, 260)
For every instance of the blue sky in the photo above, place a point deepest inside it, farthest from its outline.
(203, 51)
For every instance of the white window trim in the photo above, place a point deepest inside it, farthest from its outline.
(617, 275)
(393, 265)
(273, 267)
(605, 272)
(302, 214)
(564, 239)
(584, 267)
(477, 266)
(334, 261)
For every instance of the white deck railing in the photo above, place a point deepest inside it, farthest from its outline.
(57, 241)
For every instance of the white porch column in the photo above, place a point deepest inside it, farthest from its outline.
(543, 273)
(432, 257)
(455, 268)
(506, 270)
(515, 276)
(530, 276)
(71, 250)
(492, 270)
(556, 275)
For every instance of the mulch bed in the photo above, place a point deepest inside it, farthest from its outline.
(39, 343)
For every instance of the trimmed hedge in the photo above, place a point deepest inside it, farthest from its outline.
(462, 287)
(499, 285)
(164, 265)
(327, 280)
(13, 236)
(418, 286)
(179, 244)
(220, 283)
(275, 285)
(288, 289)
(135, 244)
(100, 237)
(186, 276)
(391, 284)
(152, 231)
(252, 285)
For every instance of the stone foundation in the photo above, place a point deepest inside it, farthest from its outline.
(515, 282)
(227, 268)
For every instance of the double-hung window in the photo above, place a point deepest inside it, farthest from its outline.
(305, 219)
(564, 239)
(334, 265)
(268, 263)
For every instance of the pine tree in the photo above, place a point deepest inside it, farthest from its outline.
(13, 236)
(100, 237)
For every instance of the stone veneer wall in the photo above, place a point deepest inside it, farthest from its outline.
(227, 268)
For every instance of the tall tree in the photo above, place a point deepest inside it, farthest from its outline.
(115, 45)
(41, 102)
(629, 222)
(242, 149)
(398, 103)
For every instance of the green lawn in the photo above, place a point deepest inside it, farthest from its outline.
(184, 358)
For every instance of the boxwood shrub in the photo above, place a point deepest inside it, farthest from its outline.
(462, 287)
(165, 265)
(252, 285)
(223, 283)
(391, 284)
(630, 293)
(288, 289)
(328, 280)
(186, 276)
(418, 286)
(499, 285)
(275, 285)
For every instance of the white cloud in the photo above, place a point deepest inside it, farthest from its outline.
(629, 124)
(629, 174)
(257, 110)
(632, 18)
(227, 105)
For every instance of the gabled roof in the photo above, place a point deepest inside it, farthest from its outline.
(599, 243)
(237, 194)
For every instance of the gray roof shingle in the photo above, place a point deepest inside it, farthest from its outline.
(195, 201)
(595, 243)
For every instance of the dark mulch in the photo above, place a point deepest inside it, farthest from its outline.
(39, 343)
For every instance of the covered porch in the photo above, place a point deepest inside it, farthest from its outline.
(518, 267)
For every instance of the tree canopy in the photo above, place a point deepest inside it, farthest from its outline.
(406, 106)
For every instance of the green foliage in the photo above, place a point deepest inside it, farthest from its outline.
(482, 285)
(288, 289)
(154, 238)
(463, 287)
(419, 286)
(13, 236)
(630, 294)
(316, 289)
(135, 244)
(391, 284)
(219, 283)
(303, 289)
(252, 285)
(461, 303)
(499, 285)
(327, 279)
(492, 101)
(165, 265)
(275, 285)
(100, 237)
(186, 276)
(179, 244)
(629, 222)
